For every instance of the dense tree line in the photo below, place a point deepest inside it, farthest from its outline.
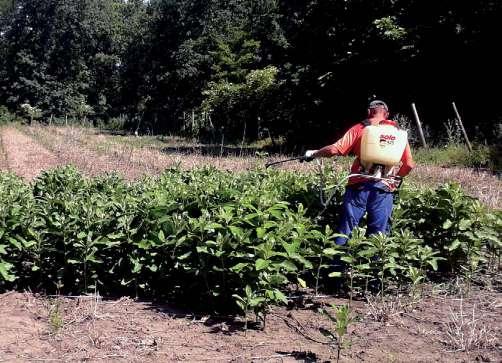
(295, 68)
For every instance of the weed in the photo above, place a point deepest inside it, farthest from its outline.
(382, 309)
(464, 331)
(55, 317)
(416, 277)
(342, 320)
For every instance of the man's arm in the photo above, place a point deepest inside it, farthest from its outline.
(327, 151)
(342, 146)
(407, 162)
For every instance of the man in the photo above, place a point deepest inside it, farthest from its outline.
(364, 194)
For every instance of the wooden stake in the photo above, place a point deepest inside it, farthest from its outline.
(222, 142)
(419, 125)
(243, 139)
(469, 146)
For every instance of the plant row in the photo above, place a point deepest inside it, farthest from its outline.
(222, 240)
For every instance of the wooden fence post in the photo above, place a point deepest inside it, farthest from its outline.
(469, 146)
(419, 125)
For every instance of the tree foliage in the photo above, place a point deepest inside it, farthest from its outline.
(152, 61)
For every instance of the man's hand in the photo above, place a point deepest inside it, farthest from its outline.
(309, 155)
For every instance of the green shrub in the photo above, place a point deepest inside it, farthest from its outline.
(6, 116)
(219, 239)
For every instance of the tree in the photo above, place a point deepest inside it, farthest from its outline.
(62, 54)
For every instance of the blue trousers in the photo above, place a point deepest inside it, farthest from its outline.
(368, 197)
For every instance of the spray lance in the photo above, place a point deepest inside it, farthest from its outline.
(381, 146)
(326, 201)
(301, 159)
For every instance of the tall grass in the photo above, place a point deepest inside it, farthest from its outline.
(456, 155)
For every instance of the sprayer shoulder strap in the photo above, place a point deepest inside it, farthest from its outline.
(366, 123)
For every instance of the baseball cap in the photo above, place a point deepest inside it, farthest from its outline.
(378, 103)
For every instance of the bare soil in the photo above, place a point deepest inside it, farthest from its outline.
(24, 156)
(94, 154)
(70, 150)
(37, 328)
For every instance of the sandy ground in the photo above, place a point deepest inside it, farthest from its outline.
(24, 156)
(92, 329)
(91, 163)
(127, 158)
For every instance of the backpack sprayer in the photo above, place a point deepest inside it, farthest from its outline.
(382, 147)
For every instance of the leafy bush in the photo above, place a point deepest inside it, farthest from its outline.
(213, 238)
(456, 225)
(5, 115)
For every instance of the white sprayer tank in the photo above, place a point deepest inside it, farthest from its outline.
(382, 144)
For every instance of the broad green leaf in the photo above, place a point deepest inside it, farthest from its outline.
(277, 279)
(256, 301)
(301, 282)
(363, 266)
(454, 245)
(291, 247)
(5, 268)
(236, 231)
(213, 226)
(447, 224)
(279, 296)
(93, 258)
(261, 264)
(15, 243)
(434, 264)
(249, 292)
(332, 251)
(202, 249)
(185, 256)
(348, 259)
(260, 233)
(464, 224)
(239, 267)
(289, 266)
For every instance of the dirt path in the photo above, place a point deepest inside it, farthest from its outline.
(69, 148)
(38, 328)
(24, 156)
(95, 154)
(150, 160)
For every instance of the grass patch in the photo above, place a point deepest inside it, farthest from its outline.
(458, 155)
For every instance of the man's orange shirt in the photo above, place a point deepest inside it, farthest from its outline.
(350, 143)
